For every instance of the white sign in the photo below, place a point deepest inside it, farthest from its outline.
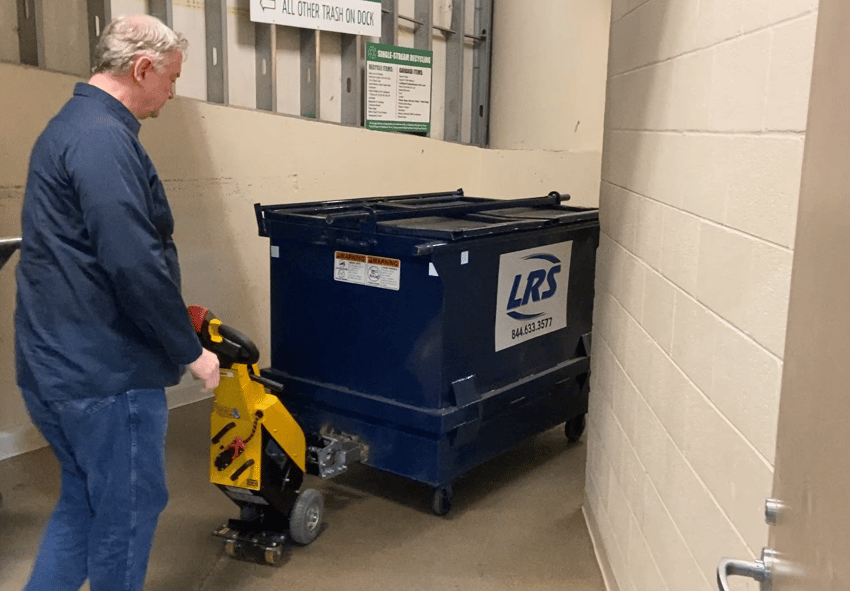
(356, 17)
(532, 293)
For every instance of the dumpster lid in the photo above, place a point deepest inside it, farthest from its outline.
(444, 216)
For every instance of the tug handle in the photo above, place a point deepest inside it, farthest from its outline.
(270, 384)
(248, 354)
(230, 345)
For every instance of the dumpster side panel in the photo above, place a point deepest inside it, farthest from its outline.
(471, 311)
(358, 337)
(443, 448)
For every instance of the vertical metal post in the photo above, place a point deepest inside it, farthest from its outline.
(389, 22)
(423, 33)
(31, 32)
(352, 96)
(310, 45)
(454, 73)
(215, 16)
(423, 12)
(100, 13)
(162, 9)
(265, 50)
(481, 57)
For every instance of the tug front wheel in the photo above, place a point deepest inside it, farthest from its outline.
(305, 520)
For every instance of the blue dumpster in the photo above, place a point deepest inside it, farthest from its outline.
(437, 330)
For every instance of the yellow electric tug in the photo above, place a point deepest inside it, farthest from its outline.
(258, 452)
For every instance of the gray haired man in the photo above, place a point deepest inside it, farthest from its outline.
(100, 326)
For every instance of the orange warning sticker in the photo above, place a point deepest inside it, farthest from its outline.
(373, 271)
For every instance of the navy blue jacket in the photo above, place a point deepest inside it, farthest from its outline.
(99, 309)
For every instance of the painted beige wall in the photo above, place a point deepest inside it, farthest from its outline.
(217, 161)
(547, 91)
(704, 128)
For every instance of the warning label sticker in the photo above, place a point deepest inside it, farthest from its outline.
(367, 270)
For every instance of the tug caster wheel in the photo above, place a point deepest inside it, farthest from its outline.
(230, 548)
(441, 501)
(239, 550)
(253, 552)
(305, 520)
(574, 428)
(273, 554)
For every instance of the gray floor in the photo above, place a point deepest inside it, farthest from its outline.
(516, 523)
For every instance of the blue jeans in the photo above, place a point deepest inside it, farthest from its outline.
(112, 455)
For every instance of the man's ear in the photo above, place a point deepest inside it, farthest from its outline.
(141, 68)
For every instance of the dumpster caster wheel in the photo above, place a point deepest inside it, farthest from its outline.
(441, 502)
(305, 520)
(574, 428)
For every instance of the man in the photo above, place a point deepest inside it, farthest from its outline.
(100, 325)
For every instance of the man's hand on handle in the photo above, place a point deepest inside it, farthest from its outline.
(205, 368)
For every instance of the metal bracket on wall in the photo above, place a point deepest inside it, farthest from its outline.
(481, 56)
(265, 50)
(423, 16)
(454, 73)
(351, 91)
(310, 47)
(162, 9)
(389, 22)
(31, 32)
(100, 13)
(215, 17)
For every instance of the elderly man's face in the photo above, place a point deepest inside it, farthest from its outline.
(159, 86)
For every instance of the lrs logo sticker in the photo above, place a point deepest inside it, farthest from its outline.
(532, 298)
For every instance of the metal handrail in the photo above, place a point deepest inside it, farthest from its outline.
(7, 247)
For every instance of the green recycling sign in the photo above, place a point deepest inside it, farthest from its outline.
(398, 88)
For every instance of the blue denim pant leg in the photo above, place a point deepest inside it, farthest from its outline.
(112, 452)
(62, 560)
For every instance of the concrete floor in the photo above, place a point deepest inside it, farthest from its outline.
(516, 523)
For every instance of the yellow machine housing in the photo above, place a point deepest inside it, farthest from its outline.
(241, 409)
(258, 452)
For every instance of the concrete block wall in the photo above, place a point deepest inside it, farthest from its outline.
(704, 128)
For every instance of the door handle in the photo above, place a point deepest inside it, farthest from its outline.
(760, 570)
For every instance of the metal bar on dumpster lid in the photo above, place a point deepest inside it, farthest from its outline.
(447, 210)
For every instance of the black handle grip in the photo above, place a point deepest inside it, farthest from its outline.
(247, 352)
(270, 384)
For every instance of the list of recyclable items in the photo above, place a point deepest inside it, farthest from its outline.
(398, 88)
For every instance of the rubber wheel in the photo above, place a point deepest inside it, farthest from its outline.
(441, 502)
(574, 428)
(305, 520)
